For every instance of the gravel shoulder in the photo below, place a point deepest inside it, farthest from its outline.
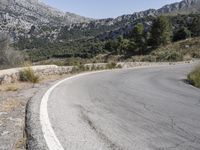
(13, 103)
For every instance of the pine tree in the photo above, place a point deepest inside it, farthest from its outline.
(138, 37)
(181, 34)
(195, 26)
(161, 31)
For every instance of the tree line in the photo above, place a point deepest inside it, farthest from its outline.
(141, 41)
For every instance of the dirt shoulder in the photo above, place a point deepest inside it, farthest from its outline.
(13, 101)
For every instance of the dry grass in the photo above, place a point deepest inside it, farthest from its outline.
(178, 51)
(50, 78)
(189, 48)
(9, 105)
(20, 144)
(2, 120)
(13, 87)
(28, 75)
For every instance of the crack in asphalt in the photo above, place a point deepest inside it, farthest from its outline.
(99, 133)
(183, 133)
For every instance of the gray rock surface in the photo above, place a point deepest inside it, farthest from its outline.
(25, 13)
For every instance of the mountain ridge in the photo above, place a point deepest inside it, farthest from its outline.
(169, 9)
(20, 17)
(29, 12)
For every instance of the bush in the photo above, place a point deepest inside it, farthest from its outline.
(181, 34)
(28, 75)
(194, 77)
(168, 56)
(112, 65)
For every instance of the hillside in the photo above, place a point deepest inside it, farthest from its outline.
(17, 16)
(40, 32)
(178, 51)
(34, 18)
(113, 27)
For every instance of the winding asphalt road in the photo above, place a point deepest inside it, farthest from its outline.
(135, 109)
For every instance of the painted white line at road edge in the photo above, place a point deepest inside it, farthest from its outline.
(50, 137)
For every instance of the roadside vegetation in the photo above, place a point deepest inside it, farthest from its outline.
(8, 56)
(28, 75)
(194, 77)
(165, 38)
(94, 67)
(12, 87)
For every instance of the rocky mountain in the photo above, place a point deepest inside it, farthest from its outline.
(34, 18)
(113, 27)
(22, 14)
(183, 7)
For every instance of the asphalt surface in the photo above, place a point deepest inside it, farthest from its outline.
(136, 109)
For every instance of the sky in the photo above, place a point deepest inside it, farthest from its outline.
(106, 8)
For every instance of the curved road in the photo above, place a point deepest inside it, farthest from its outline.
(136, 109)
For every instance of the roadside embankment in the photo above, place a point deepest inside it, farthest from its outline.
(13, 75)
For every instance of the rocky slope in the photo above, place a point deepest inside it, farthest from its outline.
(22, 14)
(31, 17)
(128, 21)
(183, 7)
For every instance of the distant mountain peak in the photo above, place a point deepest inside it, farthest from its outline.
(34, 12)
(18, 16)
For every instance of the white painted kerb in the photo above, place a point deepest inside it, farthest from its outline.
(50, 137)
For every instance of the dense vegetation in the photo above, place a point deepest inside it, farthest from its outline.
(145, 39)
(194, 77)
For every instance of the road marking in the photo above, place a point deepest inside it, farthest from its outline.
(49, 135)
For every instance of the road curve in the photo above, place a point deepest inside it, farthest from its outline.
(135, 109)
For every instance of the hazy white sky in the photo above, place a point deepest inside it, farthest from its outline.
(106, 8)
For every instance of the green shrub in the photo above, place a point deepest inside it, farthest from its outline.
(194, 77)
(174, 56)
(168, 56)
(28, 75)
(119, 66)
(111, 65)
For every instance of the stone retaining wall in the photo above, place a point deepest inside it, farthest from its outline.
(12, 75)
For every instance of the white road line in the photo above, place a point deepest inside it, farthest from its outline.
(50, 137)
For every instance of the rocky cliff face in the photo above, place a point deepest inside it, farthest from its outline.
(125, 23)
(183, 7)
(113, 26)
(28, 17)
(25, 13)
